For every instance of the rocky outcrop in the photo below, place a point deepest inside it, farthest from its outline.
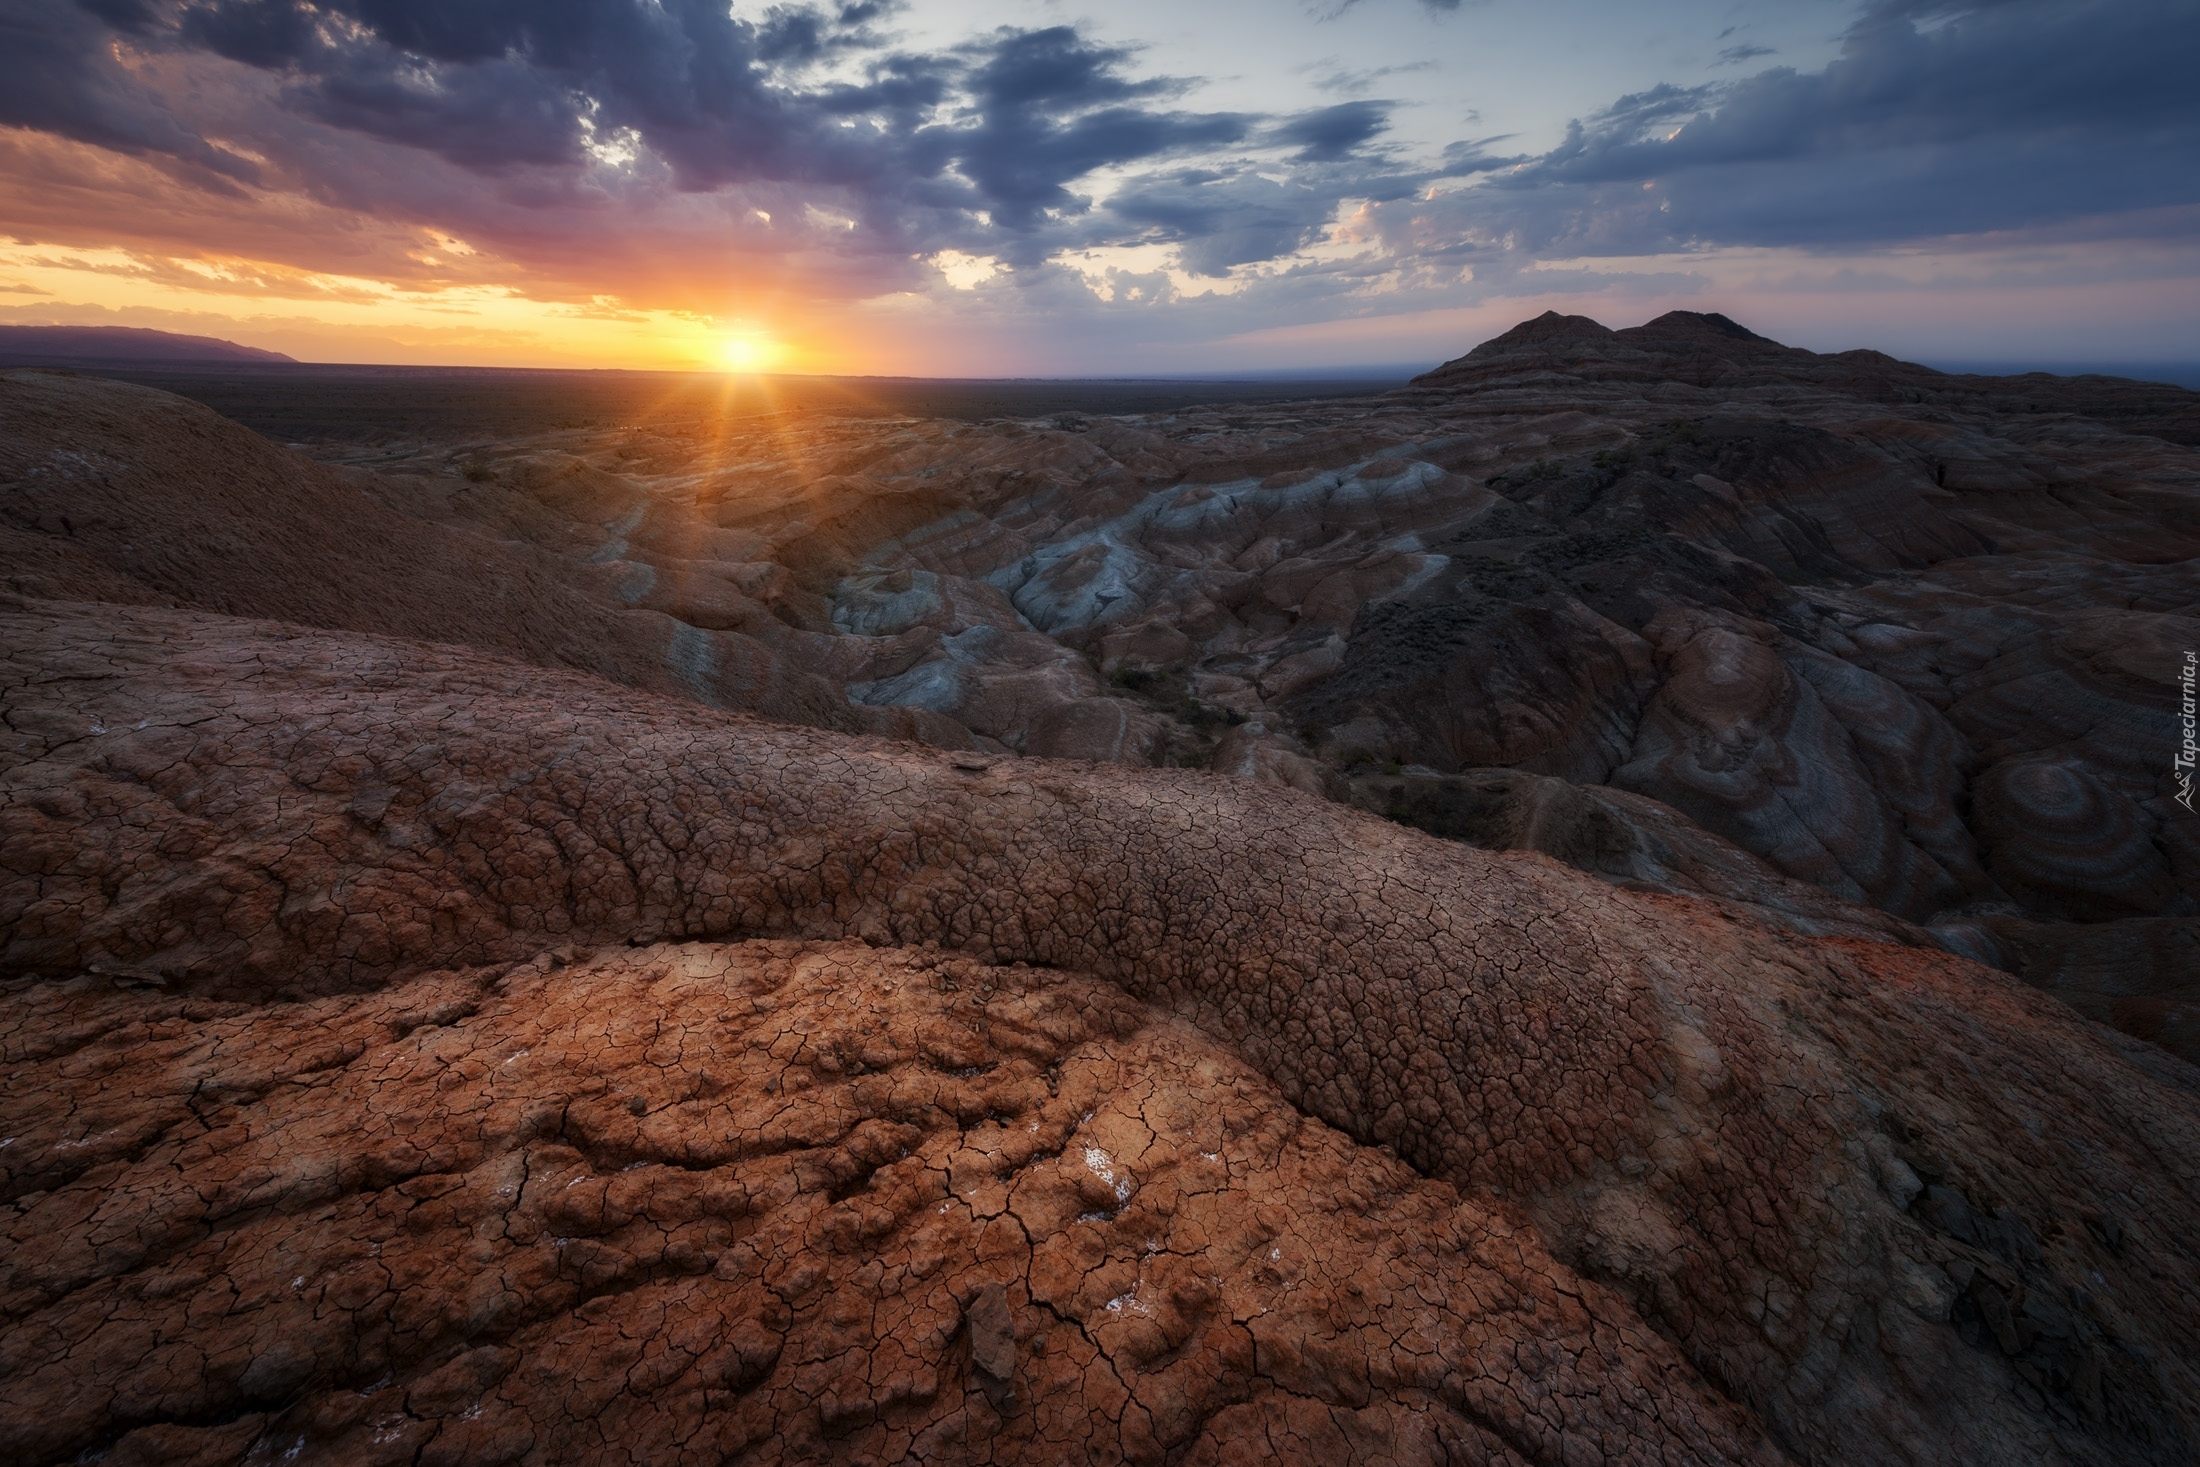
(774, 1201)
(1836, 776)
(1553, 555)
(982, 665)
(1635, 842)
(1897, 634)
(1707, 350)
(2141, 974)
(1761, 1148)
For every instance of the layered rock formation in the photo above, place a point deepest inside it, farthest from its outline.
(1834, 610)
(1905, 637)
(343, 1142)
(444, 1025)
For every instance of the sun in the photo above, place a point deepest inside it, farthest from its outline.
(747, 353)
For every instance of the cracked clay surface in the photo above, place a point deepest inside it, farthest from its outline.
(687, 1201)
(416, 1055)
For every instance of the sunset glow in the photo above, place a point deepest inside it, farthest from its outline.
(749, 353)
(941, 189)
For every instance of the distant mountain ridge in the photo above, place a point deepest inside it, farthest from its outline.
(1709, 352)
(70, 346)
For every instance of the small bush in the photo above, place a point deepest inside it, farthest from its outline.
(1135, 679)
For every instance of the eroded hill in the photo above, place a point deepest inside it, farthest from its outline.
(480, 1047)
(1872, 648)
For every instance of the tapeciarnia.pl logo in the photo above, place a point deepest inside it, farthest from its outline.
(2188, 750)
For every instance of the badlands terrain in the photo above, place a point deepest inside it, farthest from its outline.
(1622, 902)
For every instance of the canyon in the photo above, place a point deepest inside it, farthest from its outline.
(1623, 901)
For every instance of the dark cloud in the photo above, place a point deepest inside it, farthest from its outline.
(1334, 132)
(128, 16)
(1222, 220)
(1353, 83)
(496, 84)
(1984, 117)
(58, 75)
(988, 139)
(1046, 108)
(493, 115)
(266, 36)
(1470, 156)
(507, 115)
(1438, 7)
(1735, 55)
(1054, 69)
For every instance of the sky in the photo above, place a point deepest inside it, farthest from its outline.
(1049, 188)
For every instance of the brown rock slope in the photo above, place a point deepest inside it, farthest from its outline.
(347, 1165)
(110, 492)
(1898, 635)
(1902, 636)
(781, 1202)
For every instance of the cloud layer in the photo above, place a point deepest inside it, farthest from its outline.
(676, 154)
(1933, 121)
